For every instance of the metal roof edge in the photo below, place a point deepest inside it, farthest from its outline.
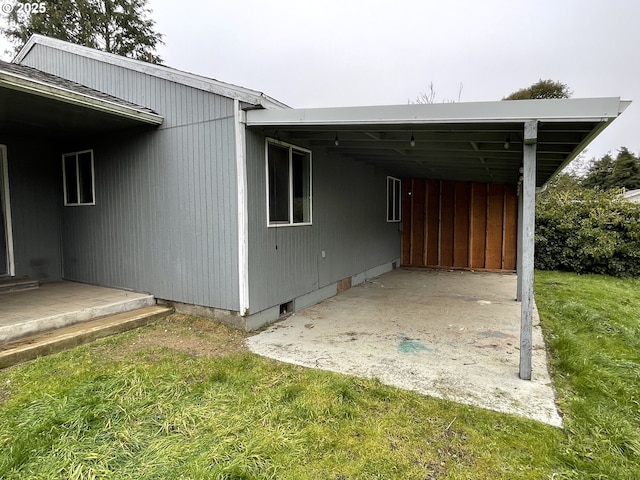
(161, 71)
(584, 109)
(26, 48)
(623, 105)
(24, 84)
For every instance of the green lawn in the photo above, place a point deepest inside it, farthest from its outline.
(183, 399)
(592, 327)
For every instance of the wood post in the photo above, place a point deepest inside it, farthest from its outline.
(527, 231)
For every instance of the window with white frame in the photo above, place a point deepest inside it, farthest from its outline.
(393, 199)
(288, 184)
(78, 178)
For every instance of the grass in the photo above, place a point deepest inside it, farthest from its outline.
(162, 402)
(592, 326)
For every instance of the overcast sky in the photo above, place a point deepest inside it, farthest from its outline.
(321, 53)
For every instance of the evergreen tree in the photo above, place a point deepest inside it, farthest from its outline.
(626, 171)
(122, 27)
(608, 173)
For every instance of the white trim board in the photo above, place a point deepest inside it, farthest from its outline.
(243, 210)
(4, 176)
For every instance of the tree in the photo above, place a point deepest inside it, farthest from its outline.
(608, 173)
(122, 27)
(540, 90)
(430, 97)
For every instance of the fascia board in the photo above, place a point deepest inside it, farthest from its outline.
(16, 82)
(590, 109)
(185, 78)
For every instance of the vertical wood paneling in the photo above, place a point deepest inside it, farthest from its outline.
(465, 225)
(433, 221)
(495, 208)
(417, 218)
(478, 224)
(447, 212)
(461, 225)
(405, 257)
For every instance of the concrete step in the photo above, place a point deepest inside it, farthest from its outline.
(53, 341)
(37, 312)
(21, 284)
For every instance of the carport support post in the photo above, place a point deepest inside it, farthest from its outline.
(527, 231)
(519, 242)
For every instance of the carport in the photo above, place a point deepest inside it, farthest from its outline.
(519, 144)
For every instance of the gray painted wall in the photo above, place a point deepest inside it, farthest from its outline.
(165, 219)
(349, 224)
(35, 186)
(166, 213)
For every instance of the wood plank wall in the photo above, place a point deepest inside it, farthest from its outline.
(459, 224)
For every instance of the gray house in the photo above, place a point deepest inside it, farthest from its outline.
(227, 202)
(633, 195)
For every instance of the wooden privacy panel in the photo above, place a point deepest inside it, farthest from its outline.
(459, 224)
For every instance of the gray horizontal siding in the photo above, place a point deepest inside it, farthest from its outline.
(35, 186)
(165, 219)
(349, 224)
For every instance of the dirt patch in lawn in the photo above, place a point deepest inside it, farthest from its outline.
(195, 336)
(4, 393)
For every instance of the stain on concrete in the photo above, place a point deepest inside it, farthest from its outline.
(418, 312)
(409, 345)
(496, 334)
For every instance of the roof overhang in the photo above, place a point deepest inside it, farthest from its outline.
(32, 103)
(452, 141)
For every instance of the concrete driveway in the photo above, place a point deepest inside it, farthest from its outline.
(448, 334)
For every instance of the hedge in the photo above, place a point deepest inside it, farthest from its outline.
(587, 231)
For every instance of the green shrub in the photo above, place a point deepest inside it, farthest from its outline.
(587, 231)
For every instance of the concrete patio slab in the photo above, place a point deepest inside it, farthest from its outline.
(58, 304)
(448, 334)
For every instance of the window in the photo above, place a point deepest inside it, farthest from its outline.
(393, 199)
(78, 179)
(288, 184)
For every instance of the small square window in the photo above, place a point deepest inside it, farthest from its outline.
(288, 184)
(393, 199)
(78, 178)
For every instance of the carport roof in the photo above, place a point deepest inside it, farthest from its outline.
(32, 99)
(452, 141)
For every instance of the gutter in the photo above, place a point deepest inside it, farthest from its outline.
(22, 84)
